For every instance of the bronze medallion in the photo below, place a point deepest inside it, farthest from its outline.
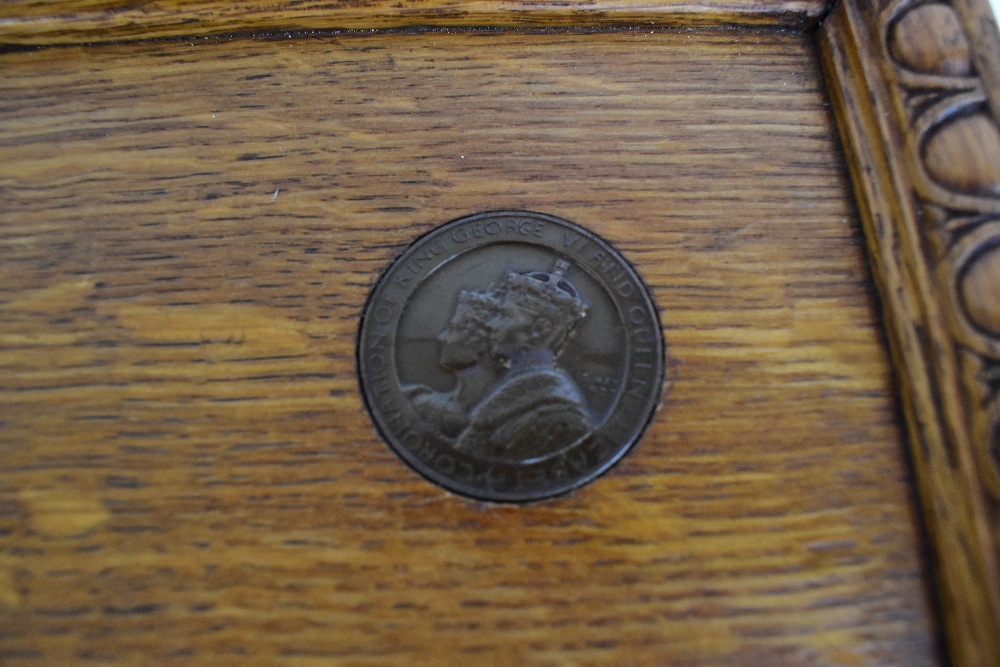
(510, 356)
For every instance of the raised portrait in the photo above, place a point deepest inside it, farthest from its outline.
(466, 353)
(511, 402)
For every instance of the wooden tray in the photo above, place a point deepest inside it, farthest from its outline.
(197, 198)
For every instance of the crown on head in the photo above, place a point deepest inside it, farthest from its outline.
(547, 293)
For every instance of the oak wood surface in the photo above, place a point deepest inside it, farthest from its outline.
(189, 232)
(915, 89)
(77, 21)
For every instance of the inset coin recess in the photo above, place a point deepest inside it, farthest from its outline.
(510, 356)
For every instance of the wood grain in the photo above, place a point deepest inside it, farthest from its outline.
(188, 474)
(915, 91)
(79, 21)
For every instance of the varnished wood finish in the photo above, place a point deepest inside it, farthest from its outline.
(189, 232)
(915, 90)
(76, 21)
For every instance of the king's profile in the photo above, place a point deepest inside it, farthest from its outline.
(511, 401)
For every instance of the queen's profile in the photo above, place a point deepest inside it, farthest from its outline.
(511, 401)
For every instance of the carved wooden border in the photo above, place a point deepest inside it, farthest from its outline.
(915, 90)
(28, 22)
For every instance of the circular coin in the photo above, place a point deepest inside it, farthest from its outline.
(510, 356)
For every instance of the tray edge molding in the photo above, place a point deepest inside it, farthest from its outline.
(914, 95)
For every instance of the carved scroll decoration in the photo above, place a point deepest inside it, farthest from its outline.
(953, 149)
(916, 89)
